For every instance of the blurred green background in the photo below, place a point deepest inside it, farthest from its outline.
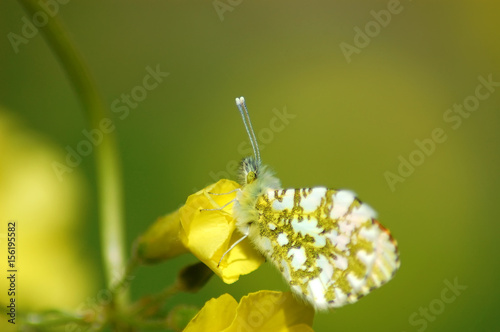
(355, 117)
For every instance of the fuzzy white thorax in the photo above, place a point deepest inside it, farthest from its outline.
(256, 179)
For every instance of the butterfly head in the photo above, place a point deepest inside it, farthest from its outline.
(249, 170)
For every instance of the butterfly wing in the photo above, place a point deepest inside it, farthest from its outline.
(326, 243)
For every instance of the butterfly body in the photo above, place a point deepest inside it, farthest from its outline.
(326, 243)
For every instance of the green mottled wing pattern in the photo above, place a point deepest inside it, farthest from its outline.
(326, 243)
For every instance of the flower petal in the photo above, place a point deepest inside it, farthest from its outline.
(215, 316)
(263, 311)
(208, 234)
(160, 241)
(272, 311)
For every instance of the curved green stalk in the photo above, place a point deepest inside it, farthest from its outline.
(106, 155)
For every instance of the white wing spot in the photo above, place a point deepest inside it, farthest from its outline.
(309, 227)
(340, 298)
(370, 233)
(340, 262)
(355, 282)
(341, 202)
(376, 280)
(339, 241)
(286, 203)
(312, 201)
(317, 291)
(361, 214)
(346, 227)
(366, 258)
(299, 258)
(282, 239)
(326, 270)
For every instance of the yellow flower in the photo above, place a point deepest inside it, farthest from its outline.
(161, 240)
(53, 270)
(209, 234)
(263, 311)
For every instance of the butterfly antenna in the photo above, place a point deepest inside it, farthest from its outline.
(240, 102)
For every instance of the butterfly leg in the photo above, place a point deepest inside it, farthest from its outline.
(220, 208)
(234, 245)
(218, 194)
(229, 192)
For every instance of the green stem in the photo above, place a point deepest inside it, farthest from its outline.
(106, 154)
(148, 306)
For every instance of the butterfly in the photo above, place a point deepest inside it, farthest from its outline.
(326, 243)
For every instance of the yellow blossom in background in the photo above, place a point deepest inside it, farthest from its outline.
(52, 269)
(208, 234)
(161, 241)
(216, 315)
(263, 311)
